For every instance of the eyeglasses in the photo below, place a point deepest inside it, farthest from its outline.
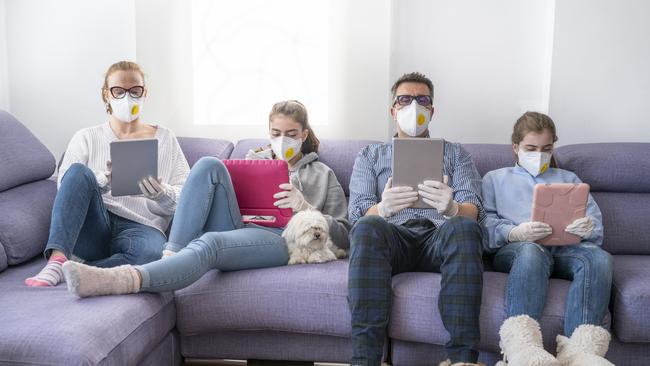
(405, 100)
(135, 92)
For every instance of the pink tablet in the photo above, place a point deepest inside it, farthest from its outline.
(559, 204)
(255, 183)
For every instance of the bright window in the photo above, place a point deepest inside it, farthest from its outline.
(248, 55)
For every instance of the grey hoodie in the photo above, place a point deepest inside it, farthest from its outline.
(321, 189)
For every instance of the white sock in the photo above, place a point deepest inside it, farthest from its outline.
(86, 281)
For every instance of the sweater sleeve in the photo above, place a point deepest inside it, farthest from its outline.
(497, 227)
(78, 152)
(335, 211)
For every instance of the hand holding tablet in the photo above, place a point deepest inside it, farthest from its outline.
(132, 161)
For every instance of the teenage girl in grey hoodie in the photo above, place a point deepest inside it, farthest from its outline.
(208, 232)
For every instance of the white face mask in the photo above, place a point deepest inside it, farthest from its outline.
(413, 119)
(285, 147)
(126, 109)
(534, 162)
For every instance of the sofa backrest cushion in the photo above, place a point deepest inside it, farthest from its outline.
(609, 167)
(489, 157)
(23, 158)
(25, 222)
(195, 148)
(339, 155)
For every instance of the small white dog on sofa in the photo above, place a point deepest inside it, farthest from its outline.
(308, 239)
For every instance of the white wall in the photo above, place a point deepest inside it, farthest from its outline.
(358, 70)
(57, 53)
(4, 77)
(489, 61)
(600, 89)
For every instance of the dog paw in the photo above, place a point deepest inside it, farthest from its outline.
(297, 260)
(321, 256)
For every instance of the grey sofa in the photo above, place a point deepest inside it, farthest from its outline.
(295, 312)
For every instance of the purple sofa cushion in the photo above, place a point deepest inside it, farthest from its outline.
(415, 316)
(25, 224)
(339, 155)
(23, 158)
(3, 258)
(195, 148)
(299, 298)
(611, 167)
(488, 157)
(631, 298)
(625, 219)
(50, 326)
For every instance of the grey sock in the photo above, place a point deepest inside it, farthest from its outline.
(86, 281)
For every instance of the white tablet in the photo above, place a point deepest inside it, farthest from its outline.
(415, 160)
(131, 161)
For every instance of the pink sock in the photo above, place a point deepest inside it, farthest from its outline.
(50, 275)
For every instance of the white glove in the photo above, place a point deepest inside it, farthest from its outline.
(439, 196)
(395, 199)
(291, 198)
(104, 178)
(152, 188)
(167, 253)
(531, 231)
(583, 227)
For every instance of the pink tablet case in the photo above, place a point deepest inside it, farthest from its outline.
(559, 204)
(255, 183)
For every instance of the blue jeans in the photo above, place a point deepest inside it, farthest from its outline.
(208, 233)
(380, 250)
(530, 265)
(82, 226)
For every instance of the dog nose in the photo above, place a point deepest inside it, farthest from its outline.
(317, 235)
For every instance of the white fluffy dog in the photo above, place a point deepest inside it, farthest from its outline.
(308, 239)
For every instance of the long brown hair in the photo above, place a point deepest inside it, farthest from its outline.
(118, 66)
(534, 122)
(297, 111)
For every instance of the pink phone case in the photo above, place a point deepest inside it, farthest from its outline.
(559, 204)
(255, 182)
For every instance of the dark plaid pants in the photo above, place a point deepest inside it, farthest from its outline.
(380, 250)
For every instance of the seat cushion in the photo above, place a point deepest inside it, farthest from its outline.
(631, 298)
(51, 326)
(25, 224)
(23, 158)
(299, 298)
(415, 316)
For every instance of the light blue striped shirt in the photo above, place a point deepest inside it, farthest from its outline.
(508, 198)
(373, 167)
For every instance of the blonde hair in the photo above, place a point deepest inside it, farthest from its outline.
(118, 66)
(534, 122)
(297, 111)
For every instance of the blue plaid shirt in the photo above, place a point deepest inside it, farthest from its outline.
(372, 168)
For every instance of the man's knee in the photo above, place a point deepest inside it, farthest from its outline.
(461, 233)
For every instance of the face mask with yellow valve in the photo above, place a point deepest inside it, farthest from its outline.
(126, 109)
(534, 162)
(413, 119)
(285, 148)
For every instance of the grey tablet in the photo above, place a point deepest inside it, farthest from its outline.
(416, 160)
(131, 161)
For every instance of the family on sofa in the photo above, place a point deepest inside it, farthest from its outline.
(105, 245)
